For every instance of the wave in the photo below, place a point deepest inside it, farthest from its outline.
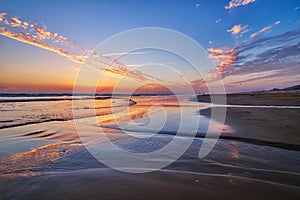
(49, 94)
(31, 99)
(34, 122)
(84, 111)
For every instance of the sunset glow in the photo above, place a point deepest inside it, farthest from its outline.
(39, 53)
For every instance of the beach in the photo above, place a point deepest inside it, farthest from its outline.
(257, 98)
(43, 155)
(273, 122)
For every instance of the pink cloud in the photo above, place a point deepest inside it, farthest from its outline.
(260, 31)
(264, 29)
(237, 3)
(2, 16)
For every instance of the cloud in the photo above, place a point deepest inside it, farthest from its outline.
(261, 31)
(220, 56)
(32, 26)
(218, 20)
(223, 55)
(266, 58)
(40, 37)
(271, 74)
(197, 5)
(15, 22)
(278, 22)
(25, 25)
(30, 39)
(2, 16)
(238, 29)
(219, 50)
(279, 54)
(124, 53)
(43, 33)
(237, 3)
(264, 29)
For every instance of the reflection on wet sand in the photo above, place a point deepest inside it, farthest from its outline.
(235, 153)
(37, 158)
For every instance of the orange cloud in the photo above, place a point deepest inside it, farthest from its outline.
(238, 29)
(42, 33)
(25, 25)
(15, 22)
(226, 63)
(219, 57)
(29, 39)
(219, 50)
(237, 3)
(115, 68)
(223, 55)
(53, 35)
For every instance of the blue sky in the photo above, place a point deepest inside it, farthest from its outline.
(100, 19)
(87, 23)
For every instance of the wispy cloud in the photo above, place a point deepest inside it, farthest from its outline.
(237, 3)
(264, 29)
(271, 74)
(124, 53)
(279, 54)
(40, 37)
(260, 31)
(277, 22)
(238, 30)
(31, 39)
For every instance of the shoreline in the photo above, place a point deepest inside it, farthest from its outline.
(256, 99)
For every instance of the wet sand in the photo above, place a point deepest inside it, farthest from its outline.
(110, 184)
(277, 127)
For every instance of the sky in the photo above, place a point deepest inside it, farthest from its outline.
(254, 44)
